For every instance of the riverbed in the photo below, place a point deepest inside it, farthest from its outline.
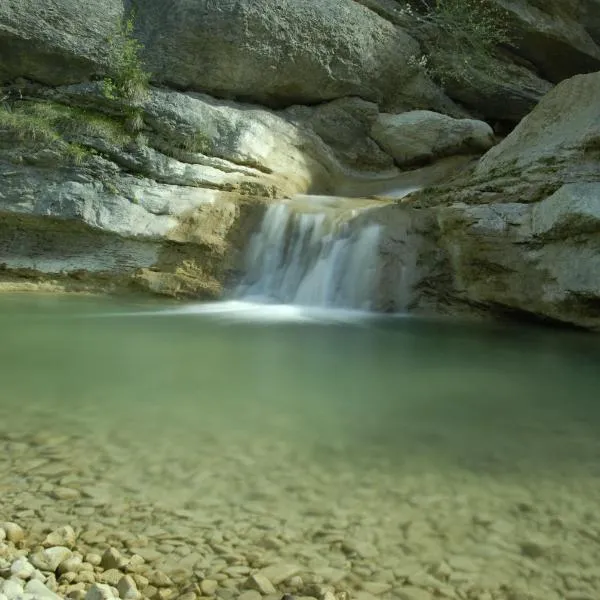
(386, 457)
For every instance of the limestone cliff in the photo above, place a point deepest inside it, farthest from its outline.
(250, 101)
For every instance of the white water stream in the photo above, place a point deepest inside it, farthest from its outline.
(308, 253)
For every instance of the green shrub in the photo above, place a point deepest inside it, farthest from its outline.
(127, 79)
(40, 124)
(459, 36)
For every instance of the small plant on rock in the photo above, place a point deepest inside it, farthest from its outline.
(459, 36)
(127, 80)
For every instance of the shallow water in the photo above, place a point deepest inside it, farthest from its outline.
(435, 442)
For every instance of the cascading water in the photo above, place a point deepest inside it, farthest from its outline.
(312, 258)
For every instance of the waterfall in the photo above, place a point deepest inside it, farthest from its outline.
(312, 258)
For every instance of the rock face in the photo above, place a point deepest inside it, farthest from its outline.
(283, 53)
(521, 234)
(271, 53)
(563, 128)
(550, 35)
(423, 136)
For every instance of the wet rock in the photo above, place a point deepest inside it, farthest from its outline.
(413, 593)
(209, 587)
(279, 572)
(250, 595)
(260, 583)
(65, 493)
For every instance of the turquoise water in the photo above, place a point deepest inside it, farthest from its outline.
(393, 413)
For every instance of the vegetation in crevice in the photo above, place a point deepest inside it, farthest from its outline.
(459, 37)
(40, 124)
(127, 80)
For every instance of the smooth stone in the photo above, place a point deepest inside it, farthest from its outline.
(12, 589)
(39, 590)
(64, 493)
(111, 576)
(250, 595)
(49, 559)
(127, 588)
(99, 591)
(64, 536)
(112, 559)
(93, 559)
(13, 532)
(22, 568)
(413, 593)
(208, 587)
(73, 564)
(279, 572)
(376, 588)
(261, 584)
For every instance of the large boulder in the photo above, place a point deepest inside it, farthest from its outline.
(564, 127)
(549, 34)
(422, 136)
(274, 53)
(55, 41)
(519, 233)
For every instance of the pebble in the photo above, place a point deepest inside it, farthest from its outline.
(413, 593)
(259, 583)
(127, 588)
(13, 532)
(49, 559)
(22, 568)
(64, 493)
(209, 587)
(64, 536)
(112, 559)
(39, 590)
(12, 588)
(111, 576)
(72, 564)
(93, 559)
(376, 588)
(279, 572)
(250, 595)
(100, 591)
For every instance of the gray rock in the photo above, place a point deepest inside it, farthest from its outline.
(112, 559)
(563, 127)
(260, 583)
(49, 559)
(127, 588)
(100, 591)
(39, 590)
(549, 35)
(279, 572)
(22, 568)
(11, 588)
(424, 136)
(64, 536)
(281, 53)
(13, 532)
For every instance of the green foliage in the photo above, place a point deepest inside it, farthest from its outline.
(127, 80)
(460, 36)
(29, 122)
(41, 124)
